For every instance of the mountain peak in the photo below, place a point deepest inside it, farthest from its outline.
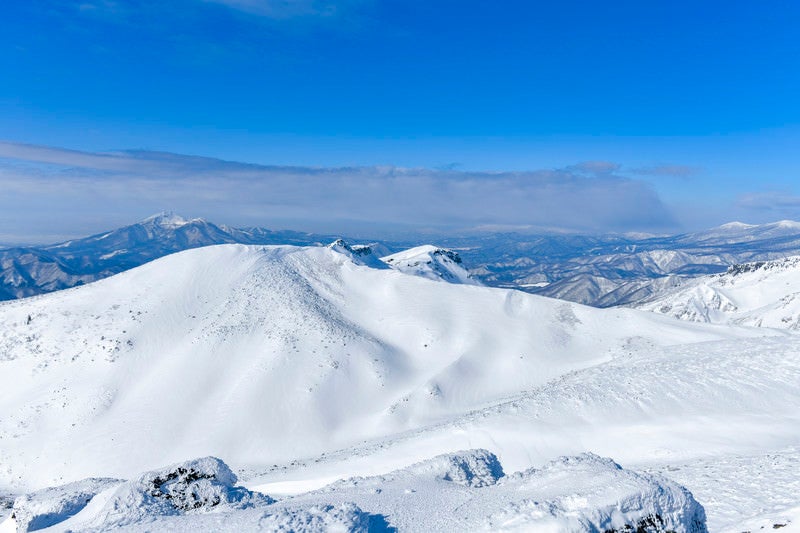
(786, 224)
(736, 225)
(361, 254)
(431, 262)
(166, 218)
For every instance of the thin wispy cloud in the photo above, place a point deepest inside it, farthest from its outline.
(134, 184)
(283, 9)
(780, 202)
(677, 171)
(595, 167)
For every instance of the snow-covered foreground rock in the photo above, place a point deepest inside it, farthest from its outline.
(763, 294)
(304, 366)
(465, 491)
(469, 492)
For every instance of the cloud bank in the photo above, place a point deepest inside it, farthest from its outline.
(51, 190)
(780, 203)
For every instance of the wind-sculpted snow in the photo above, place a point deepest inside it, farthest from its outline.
(198, 486)
(46, 507)
(463, 491)
(475, 468)
(582, 493)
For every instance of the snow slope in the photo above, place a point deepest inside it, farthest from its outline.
(697, 413)
(301, 366)
(233, 350)
(755, 294)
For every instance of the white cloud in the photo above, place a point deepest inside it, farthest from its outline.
(120, 187)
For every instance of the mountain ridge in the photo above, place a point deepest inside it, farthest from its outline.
(603, 271)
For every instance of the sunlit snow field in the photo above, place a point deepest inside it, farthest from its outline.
(302, 366)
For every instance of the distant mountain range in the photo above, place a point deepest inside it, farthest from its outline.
(760, 294)
(606, 271)
(601, 271)
(27, 271)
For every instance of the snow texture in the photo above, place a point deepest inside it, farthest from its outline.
(583, 493)
(43, 508)
(760, 294)
(431, 262)
(305, 366)
(455, 492)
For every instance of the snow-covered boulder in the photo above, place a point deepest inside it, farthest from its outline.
(471, 468)
(467, 491)
(476, 468)
(592, 493)
(197, 486)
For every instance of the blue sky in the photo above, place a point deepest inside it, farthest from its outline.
(691, 104)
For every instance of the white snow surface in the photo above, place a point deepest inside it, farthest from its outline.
(467, 491)
(762, 294)
(431, 262)
(46, 507)
(233, 350)
(464, 491)
(303, 366)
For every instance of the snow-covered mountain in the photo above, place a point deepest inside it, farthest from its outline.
(303, 366)
(27, 271)
(208, 337)
(602, 271)
(612, 270)
(764, 294)
(431, 262)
